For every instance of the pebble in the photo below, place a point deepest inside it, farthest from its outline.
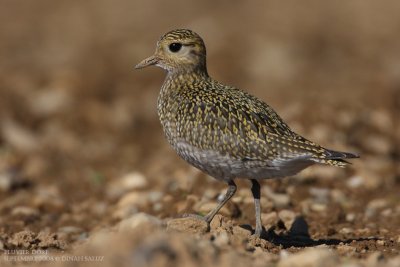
(393, 262)
(138, 199)
(355, 181)
(374, 259)
(318, 207)
(241, 233)
(49, 197)
(310, 257)
(6, 181)
(346, 230)
(70, 230)
(342, 248)
(381, 120)
(350, 217)
(377, 143)
(374, 205)
(49, 101)
(216, 222)
(24, 211)
(155, 196)
(124, 212)
(269, 219)
(221, 239)
(279, 200)
(189, 225)
(19, 137)
(320, 195)
(380, 242)
(139, 220)
(128, 182)
(320, 171)
(206, 207)
(387, 212)
(287, 217)
(67, 231)
(339, 196)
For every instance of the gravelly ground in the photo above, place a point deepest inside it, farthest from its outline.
(86, 175)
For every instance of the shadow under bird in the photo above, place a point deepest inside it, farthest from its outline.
(222, 130)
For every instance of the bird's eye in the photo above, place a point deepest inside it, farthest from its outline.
(175, 47)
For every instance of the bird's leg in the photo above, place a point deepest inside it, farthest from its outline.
(229, 193)
(255, 189)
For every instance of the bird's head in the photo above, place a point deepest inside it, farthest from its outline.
(178, 51)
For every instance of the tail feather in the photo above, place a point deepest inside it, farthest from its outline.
(335, 158)
(331, 154)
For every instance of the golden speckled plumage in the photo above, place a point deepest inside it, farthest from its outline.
(223, 130)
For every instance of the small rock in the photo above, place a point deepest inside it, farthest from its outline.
(320, 171)
(345, 249)
(393, 262)
(377, 143)
(18, 136)
(320, 195)
(374, 205)
(24, 211)
(48, 197)
(350, 217)
(128, 182)
(318, 207)
(310, 257)
(279, 200)
(240, 232)
(138, 199)
(381, 120)
(380, 242)
(269, 219)
(339, 197)
(378, 203)
(355, 181)
(137, 221)
(374, 259)
(221, 239)
(189, 224)
(284, 254)
(124, 212)
(70, 230)
(371, 172)
(11, 179)
(387, 212)
(288, 217)
(5, 181)
(216, 222)
(205, 208)
(155, 196)
(49, 101)
(346, 230)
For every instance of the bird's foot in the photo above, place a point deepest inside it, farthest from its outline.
(259, 233)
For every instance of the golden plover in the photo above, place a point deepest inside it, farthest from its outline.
(222, 130)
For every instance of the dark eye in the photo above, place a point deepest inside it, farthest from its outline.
(175, 47)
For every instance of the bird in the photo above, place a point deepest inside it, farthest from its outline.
(222, 130)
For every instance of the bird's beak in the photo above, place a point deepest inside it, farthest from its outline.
(152, 60)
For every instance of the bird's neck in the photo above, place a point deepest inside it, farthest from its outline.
(184, 76)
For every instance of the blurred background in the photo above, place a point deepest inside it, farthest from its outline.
(79, 129)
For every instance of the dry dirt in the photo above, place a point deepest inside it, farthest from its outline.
(86, 177)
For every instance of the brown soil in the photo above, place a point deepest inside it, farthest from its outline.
(85, 170)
